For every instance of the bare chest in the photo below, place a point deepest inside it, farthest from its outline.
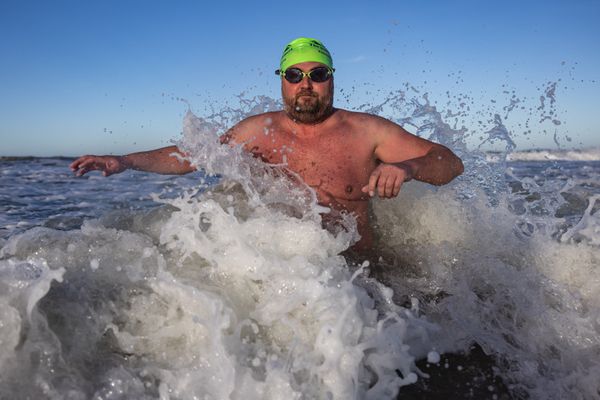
(338, 163)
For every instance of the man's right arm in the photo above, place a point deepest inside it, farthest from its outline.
(170, 160)
(167, 160)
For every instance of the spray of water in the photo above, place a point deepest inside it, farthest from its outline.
(234, 290)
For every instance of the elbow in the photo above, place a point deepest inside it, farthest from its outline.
(454, 167)
(459, 167)
(225, 138)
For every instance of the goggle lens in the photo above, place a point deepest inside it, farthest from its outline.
(293, 75)
(319, 74)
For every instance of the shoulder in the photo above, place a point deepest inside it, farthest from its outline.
(372, 125)
(391, 141)
(260, 120)
(364, 119)
(249, 127)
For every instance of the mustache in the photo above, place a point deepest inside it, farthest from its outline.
(306, 93)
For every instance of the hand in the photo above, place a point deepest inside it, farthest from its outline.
(387, 179)
(107, 164)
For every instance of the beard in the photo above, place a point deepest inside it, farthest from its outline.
(307, 107)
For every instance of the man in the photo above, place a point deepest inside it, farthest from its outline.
(347, 157)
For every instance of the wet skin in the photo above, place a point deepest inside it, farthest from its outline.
(347, 157)
(336, 162)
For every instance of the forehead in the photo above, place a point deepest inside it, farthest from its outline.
(307, 66)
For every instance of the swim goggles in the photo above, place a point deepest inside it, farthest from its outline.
(295, 75)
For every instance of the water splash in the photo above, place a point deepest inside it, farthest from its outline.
(233, 289)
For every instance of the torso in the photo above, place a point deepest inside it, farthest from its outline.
(335, 157)
(337, 161)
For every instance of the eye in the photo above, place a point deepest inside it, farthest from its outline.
(320, 74)
(293, 75)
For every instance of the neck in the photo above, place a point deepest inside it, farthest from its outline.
(309, 129)
(309, 122)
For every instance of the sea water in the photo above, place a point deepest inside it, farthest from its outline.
(222, 283)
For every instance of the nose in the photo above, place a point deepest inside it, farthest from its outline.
(306, 82)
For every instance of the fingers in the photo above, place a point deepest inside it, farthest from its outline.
(392, 187)
(75, 164)
(397, 185)
(373, 181)
(85, 164)
(381, 182)
(387, 180)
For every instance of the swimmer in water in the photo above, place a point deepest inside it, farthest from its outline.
(346, 157)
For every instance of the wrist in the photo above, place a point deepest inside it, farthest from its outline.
(408, 168)
(125, 162)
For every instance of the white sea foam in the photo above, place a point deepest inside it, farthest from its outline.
(530, 301)
(234, 290)
(588, 154)
(226, 293)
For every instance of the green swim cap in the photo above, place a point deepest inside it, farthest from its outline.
(304, 50)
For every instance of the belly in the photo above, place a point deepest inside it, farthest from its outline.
(359, 209)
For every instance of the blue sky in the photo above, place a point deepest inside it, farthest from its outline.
(107, 77)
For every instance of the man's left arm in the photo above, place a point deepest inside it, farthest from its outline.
(403, 156)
